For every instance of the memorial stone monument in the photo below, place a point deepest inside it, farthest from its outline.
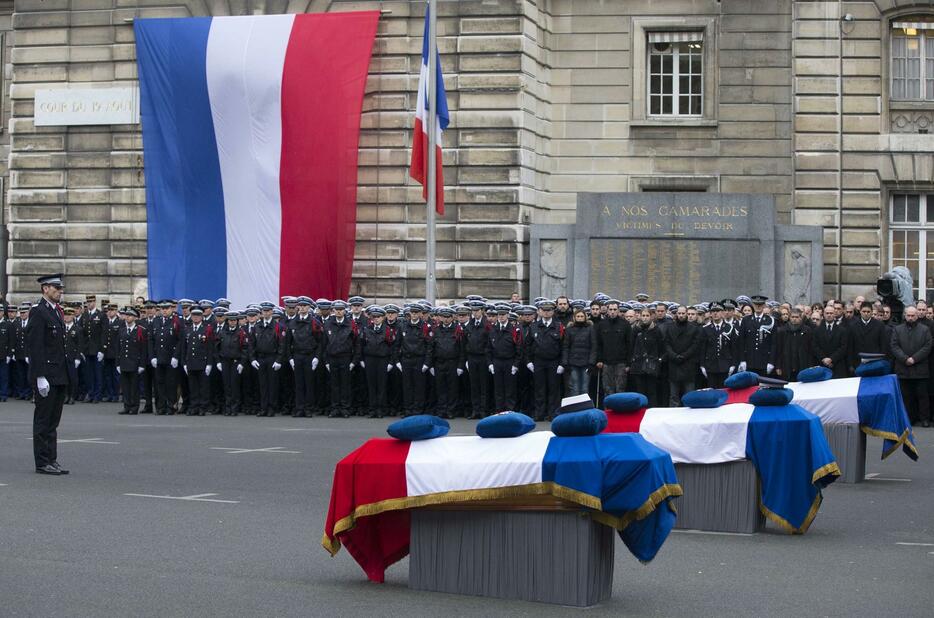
(690, 247)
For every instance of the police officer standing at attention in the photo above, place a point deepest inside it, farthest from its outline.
(543, 353)
(165, 341)
(267, 359)
(341, 355)
(303, 345)
(198, 353)
(233, 351)
(477, 331)
(755, 339)
(45, 349)
(132, 352)
(447, 361)
(506, 357)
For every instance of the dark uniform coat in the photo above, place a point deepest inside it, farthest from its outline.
(831, 343)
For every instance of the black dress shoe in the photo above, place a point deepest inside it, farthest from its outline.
(58, 467)
(49, 469)
(123, 412)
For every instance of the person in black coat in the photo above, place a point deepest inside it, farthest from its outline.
(233, 356)
(304, 339)
(48, 373)
(866, 334)
(543, 349)
(198, 353)
(612, 349)
(719, 348)
(754, 350)
(682, 349)
(19, 372)
(911, 347)
(414, 361)
(449, 359)
(267, 341)
(132, 356)
(341, 355)
(578, 353)
(793, 348)
(476, 347)
(648, 348)
(830, 344)
(165, 349)
(6, 349)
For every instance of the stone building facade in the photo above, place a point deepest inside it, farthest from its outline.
(548, 98)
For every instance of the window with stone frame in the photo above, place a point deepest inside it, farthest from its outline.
(912, 59)
(911, 239)
(675, 75)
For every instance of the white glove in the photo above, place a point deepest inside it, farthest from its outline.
(530, 366)
(742, 366)
(769, 367)
(432, 371)
(314, 364)
(388, 367)
(362, 364)
(292, 363)
(491, 368)
(352, 366)
(730, 372)
(207, 370)
(559, 370)
(118, 370)
(515, 370)
(220, 367)
(425, 368)
(153, 362)
(276, 366)
(100, 356)
(328, 367)
(27, 360)
(703, 371)
(77, 362)
(43, 386)
(185, 367)
(239, 368)
(460, 372)
(399, 366)
(141, 370)
(174, 363)
(255, 364)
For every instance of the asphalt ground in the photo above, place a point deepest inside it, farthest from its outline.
(80, 545)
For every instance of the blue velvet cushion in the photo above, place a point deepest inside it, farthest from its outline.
(772, 397)
(505, 425)
(742, 379)
(815, 374)
(583, 423)
(705, 398)
(626, 402)
(875, 368)
(419, 427)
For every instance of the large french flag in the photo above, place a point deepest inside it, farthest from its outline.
(250, 131)
(418, 169)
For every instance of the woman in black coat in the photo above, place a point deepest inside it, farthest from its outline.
(647, 351)
(577, 353)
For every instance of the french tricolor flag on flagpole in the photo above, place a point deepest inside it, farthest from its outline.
(418, 170)
(250, 136)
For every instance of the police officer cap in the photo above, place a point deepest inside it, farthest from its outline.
(222, 302)
(278, 311)
(513, 315)
(425, 307)
(476, 304)
(111, 306)
(25, 306)
(489, 308)
(601, 297)
(462, 310)
(672, 306)
(220, 312)
(700, 308)
(773, 303)
(526, 310)
(870, 357)
(289, 301)
(625, 306)
(390, 308)
(445, 312)
(54, 280)
(11, 307)
(197, 311)
(637, 306)
(232, 315)
(653, 306)
(759, 299)
(149, 304)
(376, 310)
(743, 300)
(547, 305)
(502, 308)
(323, 303)
(767, 382)
(356, 300)
(252, 311)
(267, 306)
(473, 297)
(578, 304)
(69, 310)
(304, 300)
(716, 307)
(642, 296)
(130, 311)
(728, 303)
(204, 303)
(186, 302)
(338, 304)
(369, 308)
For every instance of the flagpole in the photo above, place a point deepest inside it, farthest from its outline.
(430, 292)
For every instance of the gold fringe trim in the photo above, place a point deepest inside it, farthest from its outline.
(333, 545)
(831, 468)
(899, 440)
(785, 525)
